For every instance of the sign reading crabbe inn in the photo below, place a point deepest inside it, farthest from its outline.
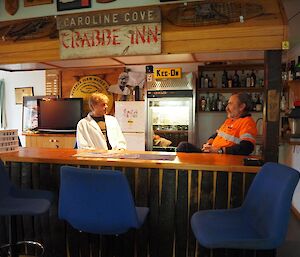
(110, 33)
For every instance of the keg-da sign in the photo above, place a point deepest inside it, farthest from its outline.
(167, 73)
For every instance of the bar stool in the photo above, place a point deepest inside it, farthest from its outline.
(105, 197)
(260, 223)
(18, 202)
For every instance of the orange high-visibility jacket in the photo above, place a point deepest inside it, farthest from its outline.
(233, 131)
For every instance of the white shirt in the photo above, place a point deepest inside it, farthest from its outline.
(90, 136)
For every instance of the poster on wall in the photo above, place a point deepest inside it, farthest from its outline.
(21, 92)
(64, 5)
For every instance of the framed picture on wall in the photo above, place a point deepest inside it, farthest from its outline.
(21, 92)
(64, 5)
(28, 3)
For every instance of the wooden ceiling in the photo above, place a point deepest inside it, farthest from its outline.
(233, 42)
(124, 61)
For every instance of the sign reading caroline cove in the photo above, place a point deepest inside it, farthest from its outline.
(114, 33)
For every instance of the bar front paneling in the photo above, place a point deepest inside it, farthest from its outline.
(172, 194)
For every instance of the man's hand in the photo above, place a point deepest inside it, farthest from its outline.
(208, 148)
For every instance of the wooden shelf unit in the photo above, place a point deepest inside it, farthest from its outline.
(50, 140)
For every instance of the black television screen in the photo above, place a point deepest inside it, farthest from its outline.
(59, 115)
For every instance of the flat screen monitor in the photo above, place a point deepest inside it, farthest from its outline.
(59, 115)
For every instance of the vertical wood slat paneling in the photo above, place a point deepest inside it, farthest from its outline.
(3, 220)
(206, 201)
(26, 180)
(181, 218)
(129, 242)
(167, 231)
(154, 213)
(236, 190)
(221, 190)
(195, 189)
(16, 180)
(167, 215)
(141, 199)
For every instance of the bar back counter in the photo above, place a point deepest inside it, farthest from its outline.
(173, 187)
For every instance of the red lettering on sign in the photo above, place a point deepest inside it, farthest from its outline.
(144, 35)
(96, 37)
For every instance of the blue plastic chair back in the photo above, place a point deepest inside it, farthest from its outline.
(268, 202)
(96, 201)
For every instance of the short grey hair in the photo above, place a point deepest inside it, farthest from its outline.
(246, 99)
(97, 98)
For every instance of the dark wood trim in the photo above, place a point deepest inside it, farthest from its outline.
(273, 85)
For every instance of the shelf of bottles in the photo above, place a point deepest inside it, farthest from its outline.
(216, 83)
(290, 94)
(217, 102)
(291, 85)
(292, 72)
(231, 79)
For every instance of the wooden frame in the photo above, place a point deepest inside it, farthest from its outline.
(21, 92)
(28, 3)
(77, 4)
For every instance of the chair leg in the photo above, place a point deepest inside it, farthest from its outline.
(12, 249)
(12, 228)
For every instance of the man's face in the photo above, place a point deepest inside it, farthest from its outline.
(234, 108)
(99, 109)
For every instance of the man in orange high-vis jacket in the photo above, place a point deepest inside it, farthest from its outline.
(236, 135)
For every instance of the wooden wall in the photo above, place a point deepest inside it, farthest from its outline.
(70, 77)
(265, 32)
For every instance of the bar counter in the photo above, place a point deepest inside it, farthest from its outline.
(172, 189)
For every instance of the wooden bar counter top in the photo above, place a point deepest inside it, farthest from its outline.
(196, 161)
(172, 185)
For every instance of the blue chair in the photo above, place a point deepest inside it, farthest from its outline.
(98, 201)
(260, 223)
(16, 202)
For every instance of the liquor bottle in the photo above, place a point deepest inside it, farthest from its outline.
(213, 103)
(258, 104)
(243, 79)
(224, 79)
(229, 82)
(219, 103)
(235, 80)
(203, 103)
(136, 93)
(214, 81)
(206, 80)
(210, 82)
(207, 107)
(282, 103)
(248, 80)
(297, 69)
(292, 74)
(252, 79)
(201, 80)
(253, 97)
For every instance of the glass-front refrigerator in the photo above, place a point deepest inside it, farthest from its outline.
(170, 114)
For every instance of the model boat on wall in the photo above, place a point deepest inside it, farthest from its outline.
(29, 29)
(212, 13)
